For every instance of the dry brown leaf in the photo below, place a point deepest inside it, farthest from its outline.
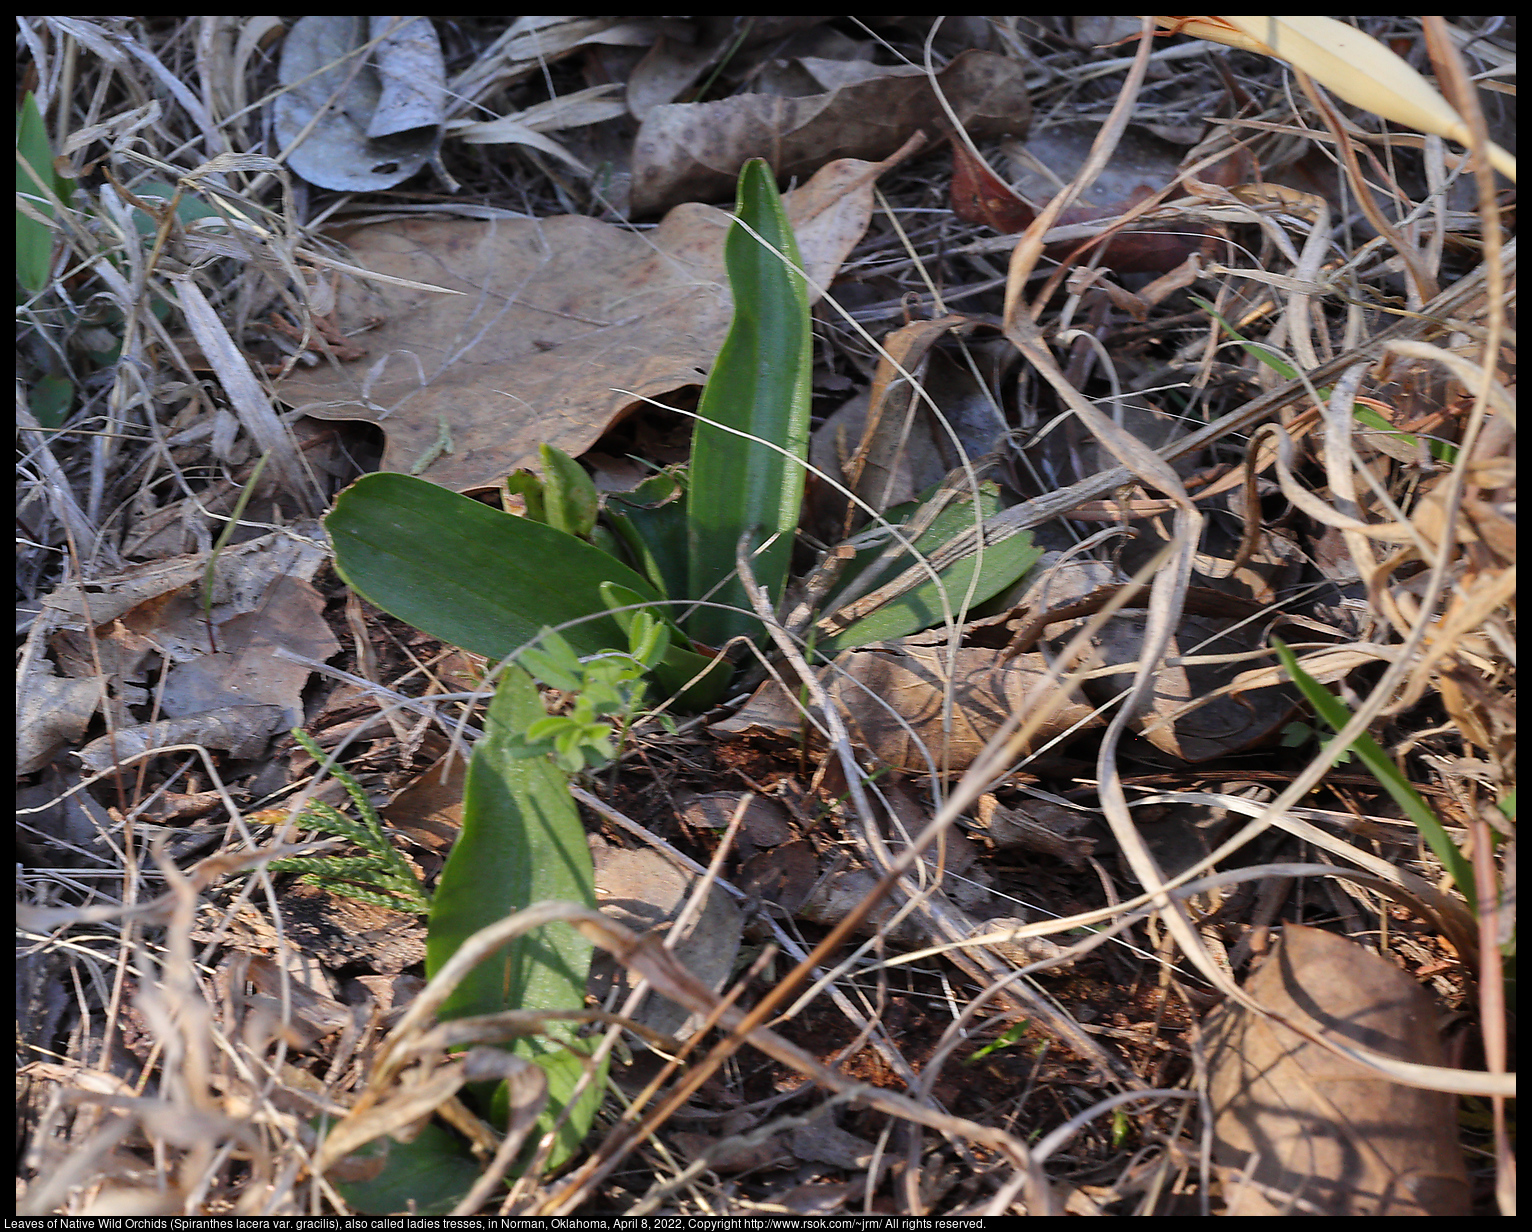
(1038, 825)
(1181, 720)
(235, 699)
(644, 891)
(680, 55)
(693, 151)
(52, 714)
(429, 812)
(345, 932)
(980, 196)
(563, 325)
(363, 106)
(1328, 1132)
(903, 449)
(246, 671)
(885, 687)
(739, 1153)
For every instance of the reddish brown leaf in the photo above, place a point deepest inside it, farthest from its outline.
(980, 196)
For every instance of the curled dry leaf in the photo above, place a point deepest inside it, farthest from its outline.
(242, 730)
(152, 616)
(51, 714)
(980, 196)
(764, 826)
(1184, 717)
(1326, 1132)
(1038, 825)
(693, 151)
(356, 120)
(892, 697)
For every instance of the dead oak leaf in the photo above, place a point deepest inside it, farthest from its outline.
(562, 325)
(691, 151)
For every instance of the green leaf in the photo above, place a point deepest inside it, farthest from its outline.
(521, 843)
(563, 1066)
(50, 398)
(1442, 451)
(651, 521)
(553, 661)
(759, 385)
(530, 488)
(568, 492)
(678, 663)
(188, 208)
(1334, 712)
(888, 559)
(429, 1175)
(34, 171)
(1002, 565)
(468, 574)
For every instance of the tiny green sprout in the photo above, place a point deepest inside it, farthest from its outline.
(605, 691)
(1297, 734)
(1120, 1127)
(1009, 1036)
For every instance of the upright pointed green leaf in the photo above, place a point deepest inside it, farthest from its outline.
(1334, 712)
(569, 493)
(521, 843)
(34, 171)
(468, 574)
(760, 386)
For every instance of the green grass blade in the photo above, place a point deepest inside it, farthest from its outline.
(1003, 564)
(1333, 711)
(1442, 451)
(759, 385)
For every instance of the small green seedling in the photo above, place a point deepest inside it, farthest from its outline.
(1011, 1035)
(381, 876)
(602, 687)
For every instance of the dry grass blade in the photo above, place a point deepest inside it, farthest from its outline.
(1354, 65)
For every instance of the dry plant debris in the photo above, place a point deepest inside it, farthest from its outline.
(1237, 352)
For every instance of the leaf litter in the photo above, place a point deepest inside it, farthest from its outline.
(1394, 559)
